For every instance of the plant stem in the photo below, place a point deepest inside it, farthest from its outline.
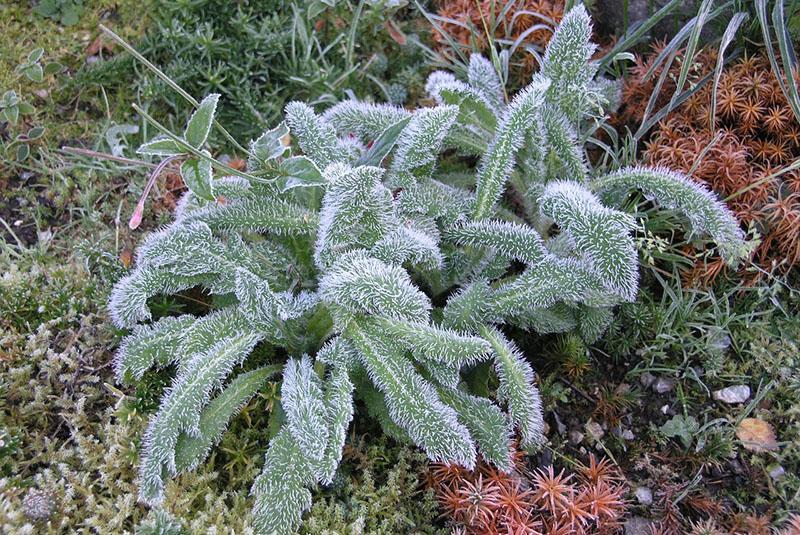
(170, 82)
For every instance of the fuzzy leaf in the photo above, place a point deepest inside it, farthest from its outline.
(414, 405)
(300, 172)
(675, 191)
(496, 164)
(339, 413)
(483, 77)
(199, 124)
(474, 106)
(510, 240)
(148, 345)
(567, 63)
(517, 388)
(593, 322)
(198, 177)
(190, 450)
(445, 346)
(601, 236)
(363, 285)
(406, 244)
(356, 212)
(160, 146)
(364, 120)
(268, 146)
(564, 155)
(486, 423)
(420, 143)
(258, 215)
(280, 490)
(180, 411)
(316, 137)
(301, 398)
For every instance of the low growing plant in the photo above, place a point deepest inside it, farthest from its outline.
(394, 273)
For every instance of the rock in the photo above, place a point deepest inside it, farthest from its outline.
(776, 472)
(733, 394)
(644, 495)
(595, 430)
(575, 437)
(638, 526)
(662, 385)
(646, 379)
(628, 435)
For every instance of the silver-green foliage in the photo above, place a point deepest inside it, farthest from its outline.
(327, 254)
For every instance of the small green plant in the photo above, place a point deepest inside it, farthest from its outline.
(394, 267)
(65, 12)
(13, 106)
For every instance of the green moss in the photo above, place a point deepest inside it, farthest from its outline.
(382, 493)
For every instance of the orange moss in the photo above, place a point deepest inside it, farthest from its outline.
(533, 20)
(517, 20)
(543, 501)
(754, 135)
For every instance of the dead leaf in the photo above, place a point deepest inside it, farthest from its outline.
(756, 435)
(97, 45)
(395, 33)
(126, 257)
(238, 164)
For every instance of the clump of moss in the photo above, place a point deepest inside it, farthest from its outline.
(754, 136)
(383, 494)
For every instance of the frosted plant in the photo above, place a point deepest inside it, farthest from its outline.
(384, 276)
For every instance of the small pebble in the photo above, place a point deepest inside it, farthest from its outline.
(777, 472)
(560, 427)
(663, 385)
(646, 379)
(733, 394)
(628, 435)
(644, 495)
(595, 430)
(575, 437)
(638, 526)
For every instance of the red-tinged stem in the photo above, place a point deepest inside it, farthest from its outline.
(136, 218)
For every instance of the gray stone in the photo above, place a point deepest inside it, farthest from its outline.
(638, 526)
(644, 495)
(776, 472)
(575, 437)
(733, 394)
(646, 379)
(663, 385)
(595, 430)
(628, 435)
